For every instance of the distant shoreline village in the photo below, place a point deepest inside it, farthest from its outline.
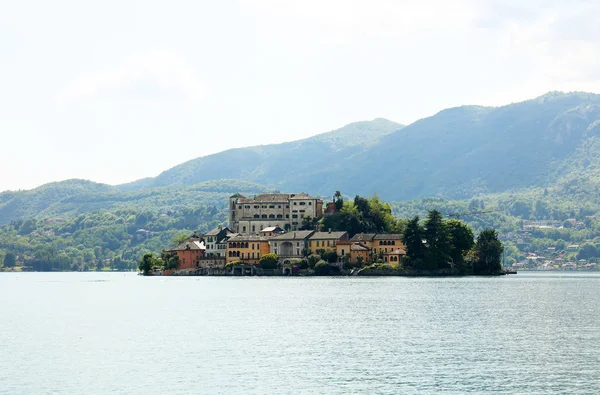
(282, 234)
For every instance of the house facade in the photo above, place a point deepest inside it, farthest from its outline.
(326, 241)
(247, 249)
(287, 211)
(359, 253)
(214, 241)
(387, 242)
(290, 245)
(189, 253)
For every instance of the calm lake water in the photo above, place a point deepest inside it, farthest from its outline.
(116, 333)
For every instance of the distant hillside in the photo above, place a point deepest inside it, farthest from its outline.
(457, 153)
(74, 197)
(289, 166)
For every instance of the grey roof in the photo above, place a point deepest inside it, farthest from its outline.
(301, 196)
(216, 231)
(359, 247)
(329, 235)
(363, 237)
(189, 245)
(266, 198)
(388, 236)
(272, 229)
(298, 235)
(249, 238)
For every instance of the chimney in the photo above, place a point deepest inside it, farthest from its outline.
(329, 230)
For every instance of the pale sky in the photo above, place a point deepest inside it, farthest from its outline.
(113, 91)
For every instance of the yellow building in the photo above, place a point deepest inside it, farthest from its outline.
(247, 249)
(325, 240)
(387, 242)
(358, 252)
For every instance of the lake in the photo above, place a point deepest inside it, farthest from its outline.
(119, 333)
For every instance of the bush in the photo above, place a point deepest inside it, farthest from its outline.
(313, 260)
(269, 261)
(323, 268)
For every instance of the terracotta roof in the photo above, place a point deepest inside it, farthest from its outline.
(363, 237)
(329, 235)
(299, 235)
(388, 236)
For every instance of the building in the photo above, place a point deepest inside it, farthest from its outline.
(251, 215)
(325, 241)
(290, 245)
(189, 253)
(271, 231)
(215, 241)
(247, 249)
(394, 257)
(359, 253)
(365, 239)
(386, 242)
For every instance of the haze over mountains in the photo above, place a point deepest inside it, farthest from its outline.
(456, 153)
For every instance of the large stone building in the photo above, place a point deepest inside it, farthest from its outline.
(251, 215)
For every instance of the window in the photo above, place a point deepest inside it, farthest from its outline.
(393, 242)
(287, 206)
(264, 216)
(343, 252)
(252, 245)
(279, 206)
(252, 253)
(328, 243)
(297, 244)
(287, 216)
(294, 204)
(294, 215)
(271, 215)
(303, 203)
(254, 228)
(271, 206)
(239, 207)
(244, 228)
(247, 206)
(310, 203)
(256, 206)
(279, 216)
(264, 206)
(256, 216)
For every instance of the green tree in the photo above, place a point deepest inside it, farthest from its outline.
(10, 260)
(148, 263)
(338, 200)
(413, 237)
(488, 253)
(461, 237)
(170, 260)
(438, 240)
(269, 261)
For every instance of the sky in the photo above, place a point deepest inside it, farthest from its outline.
(114, 91)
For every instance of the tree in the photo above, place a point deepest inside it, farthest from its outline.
(269, 261)
(488, 253)
(461, 237)
(10, 260)
(413, 240)
(170, 260)
(330, 256)
(148, 263)
(338, 200)
(438, 240)
(180, 238)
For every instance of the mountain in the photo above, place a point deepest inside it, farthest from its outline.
(457, 153)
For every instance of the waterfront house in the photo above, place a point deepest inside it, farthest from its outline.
(247, 248)
(291, 244)
(386, 242)
(325, 241)
(358, 252)
(189, 252)
(365, 239)
(394, 257)
(214, 241)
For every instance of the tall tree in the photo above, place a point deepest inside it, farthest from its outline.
(488, 252)
(10, 260)
(439, 244)
(462, 241)
(413, 240)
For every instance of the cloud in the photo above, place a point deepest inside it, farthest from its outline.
(156, 73)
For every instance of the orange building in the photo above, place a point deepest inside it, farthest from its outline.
(247, 249)
(189, 253)
(394, 257)
(358, 252)
(387, 242)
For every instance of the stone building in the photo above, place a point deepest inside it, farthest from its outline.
(325, 241)
(215, 241)
(290, 245)
(251, 215)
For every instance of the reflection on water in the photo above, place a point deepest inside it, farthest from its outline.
(96, 333)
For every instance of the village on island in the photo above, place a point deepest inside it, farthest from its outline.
(282, 234)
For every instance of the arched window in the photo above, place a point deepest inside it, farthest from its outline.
(271, 215)
(264, 216)
(256, 216)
